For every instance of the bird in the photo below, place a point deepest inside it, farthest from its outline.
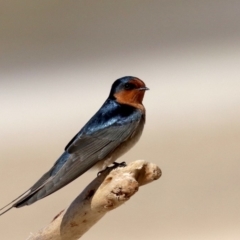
(114, 129)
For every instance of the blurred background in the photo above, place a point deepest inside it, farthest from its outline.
(58, 60)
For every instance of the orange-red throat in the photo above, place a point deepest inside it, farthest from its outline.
(132, 93)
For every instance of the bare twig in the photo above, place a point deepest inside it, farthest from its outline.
(107, 191)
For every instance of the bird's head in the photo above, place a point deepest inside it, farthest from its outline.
(128, 90)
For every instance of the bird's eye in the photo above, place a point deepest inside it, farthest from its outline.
(128, 86)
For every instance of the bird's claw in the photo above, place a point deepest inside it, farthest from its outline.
(115, 165)
(122, 164)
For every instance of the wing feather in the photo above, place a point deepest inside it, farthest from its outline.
(84, 151)
(88, 150)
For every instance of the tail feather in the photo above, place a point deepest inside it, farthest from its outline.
(6, 210)
(22, 200)
(57, 177)
(27, 194)
(25, 199)
(12, 202)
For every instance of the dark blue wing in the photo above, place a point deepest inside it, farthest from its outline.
(112, 125)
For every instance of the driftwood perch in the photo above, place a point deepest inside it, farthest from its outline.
(109, 190)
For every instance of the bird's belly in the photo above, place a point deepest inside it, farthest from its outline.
(121, 149)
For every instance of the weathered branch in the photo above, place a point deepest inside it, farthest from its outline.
(107, 191)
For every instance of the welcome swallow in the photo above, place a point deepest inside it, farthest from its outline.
(110, 133)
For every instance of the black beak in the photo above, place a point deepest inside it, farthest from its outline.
(143, 88)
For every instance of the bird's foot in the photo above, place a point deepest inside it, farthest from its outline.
(115, 165)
